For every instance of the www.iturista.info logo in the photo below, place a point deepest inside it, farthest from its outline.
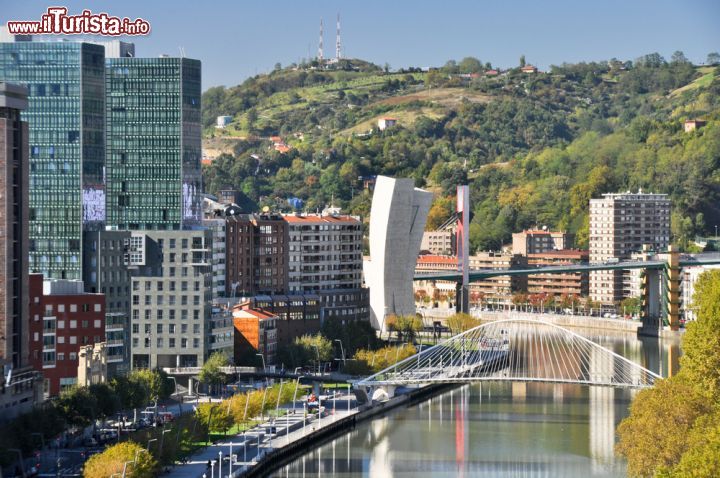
(57, 22)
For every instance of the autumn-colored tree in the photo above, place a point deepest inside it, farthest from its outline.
(701, 343)
(112, 460)
(442, 208)
(702, 458)
(461, 322)
(674, 428)
(654, 435)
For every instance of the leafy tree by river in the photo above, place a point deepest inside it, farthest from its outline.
(673, 429)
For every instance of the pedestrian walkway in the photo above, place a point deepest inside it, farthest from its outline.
(252, 445)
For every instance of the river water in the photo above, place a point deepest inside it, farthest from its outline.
(495, 429)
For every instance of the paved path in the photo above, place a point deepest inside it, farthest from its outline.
(245, 445)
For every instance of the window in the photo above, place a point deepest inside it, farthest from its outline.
(73, 355)
(183, 343)
(73, 307)
(73, 340)
(73, 324)
(135, 328)
(60, 339)
(159, 328)
(171, 343)
(61, 307)
(97, 308)
(171, 328)
(84, 324)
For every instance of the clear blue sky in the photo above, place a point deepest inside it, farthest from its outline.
(239, 38)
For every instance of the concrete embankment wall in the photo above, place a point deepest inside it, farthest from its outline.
(281, 456)
(574, 321)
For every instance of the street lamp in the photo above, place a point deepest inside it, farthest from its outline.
(263, 362)
(342, 350)
(220, 464)
(148, 443)
(162, 439)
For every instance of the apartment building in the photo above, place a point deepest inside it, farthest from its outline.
(439, 242)
(536, 241)
(620, 224)
(325, 258)
(565, 283)
(171, 296)
(20, 394)
(64, 319)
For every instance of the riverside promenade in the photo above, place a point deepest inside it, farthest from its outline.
(241, 452)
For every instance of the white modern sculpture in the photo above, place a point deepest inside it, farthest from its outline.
(397, 221)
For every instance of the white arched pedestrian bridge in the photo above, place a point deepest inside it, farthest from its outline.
(519, 350)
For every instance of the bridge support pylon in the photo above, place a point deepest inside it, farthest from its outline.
(672, 287)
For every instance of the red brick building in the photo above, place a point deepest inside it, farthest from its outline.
(255, 333)
(62, 319)
(256, 255)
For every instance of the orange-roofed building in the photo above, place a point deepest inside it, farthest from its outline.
(386, 123)
(529, 69)
(255, 333)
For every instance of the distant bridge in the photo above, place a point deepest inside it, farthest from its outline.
(518, 350)
(659, 274)
(479, 274)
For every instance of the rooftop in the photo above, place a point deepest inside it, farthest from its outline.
(314, 218)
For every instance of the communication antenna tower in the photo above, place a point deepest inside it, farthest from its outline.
(320, 44)
(338, 47)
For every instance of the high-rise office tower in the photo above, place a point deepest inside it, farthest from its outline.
(621, 224)
(65, 112)
(153, 143)
(16, 390)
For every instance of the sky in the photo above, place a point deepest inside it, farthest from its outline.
(241, 38)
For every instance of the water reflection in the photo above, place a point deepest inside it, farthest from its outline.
(495, 429)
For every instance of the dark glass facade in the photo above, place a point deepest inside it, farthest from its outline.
(153, 143)
(66, 144)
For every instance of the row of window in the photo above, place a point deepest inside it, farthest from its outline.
(160, 343)
(160, 314)
(159, 328)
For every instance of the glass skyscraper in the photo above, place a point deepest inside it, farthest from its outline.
(153, 143)
(67, 147)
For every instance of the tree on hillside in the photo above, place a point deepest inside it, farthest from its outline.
(651, 60)
(470, 64)
(522, 61)
(713, 58)
(440, 211)
(678, 57)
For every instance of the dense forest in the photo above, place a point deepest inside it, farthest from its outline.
(535, 147)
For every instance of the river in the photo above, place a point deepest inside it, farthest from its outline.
(495, 429)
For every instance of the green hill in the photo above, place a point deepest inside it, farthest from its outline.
(534, 147)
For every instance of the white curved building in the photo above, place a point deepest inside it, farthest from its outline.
(397, 221)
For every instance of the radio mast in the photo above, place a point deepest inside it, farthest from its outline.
(320, 44)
